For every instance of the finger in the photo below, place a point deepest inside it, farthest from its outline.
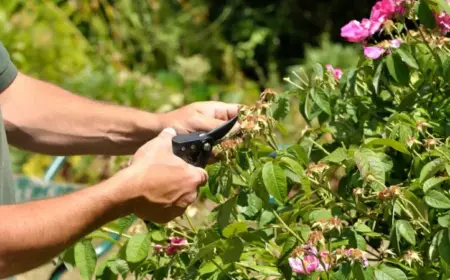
(226, 111)
(200, 176)
(187, 199)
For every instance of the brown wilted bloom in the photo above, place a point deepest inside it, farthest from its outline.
(230, 144)
(336, 223)
(412, 256)
(316, 168)
(320, 223)
(411, 141)
(357, 191)
(315, 237)
(389, 193)
(430, 142)
(268, 92)
(421, 124)
(357, 255)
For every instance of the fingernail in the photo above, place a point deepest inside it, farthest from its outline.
(170, 130)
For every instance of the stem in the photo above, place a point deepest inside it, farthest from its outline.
(319, 146)
(108, 230)
(221, 269)
(182, 234)
(190, 223)
(412, 218)
(287, 228)
(438, 61)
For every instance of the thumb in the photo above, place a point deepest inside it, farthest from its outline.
(167, 134)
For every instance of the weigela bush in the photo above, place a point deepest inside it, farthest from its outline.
(362, 193)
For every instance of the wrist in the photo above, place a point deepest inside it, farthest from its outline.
(120, 192)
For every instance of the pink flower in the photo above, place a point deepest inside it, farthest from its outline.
(337, 73)
(443, 20)
(158, 248)
(306, 266)
(176, 244)
(373, 52)
(383, 10)
(354, 31)
(395, 43)
(386, 9)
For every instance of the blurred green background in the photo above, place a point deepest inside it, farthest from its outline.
(159, 55)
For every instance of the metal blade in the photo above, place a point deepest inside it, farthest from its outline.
(219, 132)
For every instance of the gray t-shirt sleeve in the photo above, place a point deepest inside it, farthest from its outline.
(8, 72)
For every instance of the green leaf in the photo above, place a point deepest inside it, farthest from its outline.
(233, 250)
(376, 76)
(300, 172)
(433, 182)
(299, 153)
(266, 217)
(224, 212)
(397, 69)
(206, 251)
(437, 199)
(444, 246)
(360, 227)
(360, 273)
(369, 163)
(407, 58)
(444, 221)
(319, 214)
(406, 231)
(447, 168)
(120, 267)
(158, 235)
(390, 143)
(337, 156)
(85, 258)
(385, 272)
(434, 246)
(207, 268)
(425, 15)
(102, 235)
(255, 204)
(263, 269)
(234, 229)
(430, 169)
(137, 248)
(357, 241)
(321, 101)
(68, 258)
(126, 222)
(275, 181)
(281, 109)
(288, 246)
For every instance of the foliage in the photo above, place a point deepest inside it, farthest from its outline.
(362, 194)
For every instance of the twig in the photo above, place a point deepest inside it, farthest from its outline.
(287, 228)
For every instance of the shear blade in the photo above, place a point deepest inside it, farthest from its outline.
(219, 132)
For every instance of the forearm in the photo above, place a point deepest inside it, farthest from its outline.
(33, 233)
(45, 118)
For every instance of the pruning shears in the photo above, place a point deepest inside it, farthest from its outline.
(196, 148)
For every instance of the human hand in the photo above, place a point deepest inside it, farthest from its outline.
(199, 116)
(163, 184)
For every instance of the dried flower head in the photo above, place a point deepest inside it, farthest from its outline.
(412, 256)
(316, 237)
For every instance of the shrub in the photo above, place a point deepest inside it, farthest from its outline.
(363, 193)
